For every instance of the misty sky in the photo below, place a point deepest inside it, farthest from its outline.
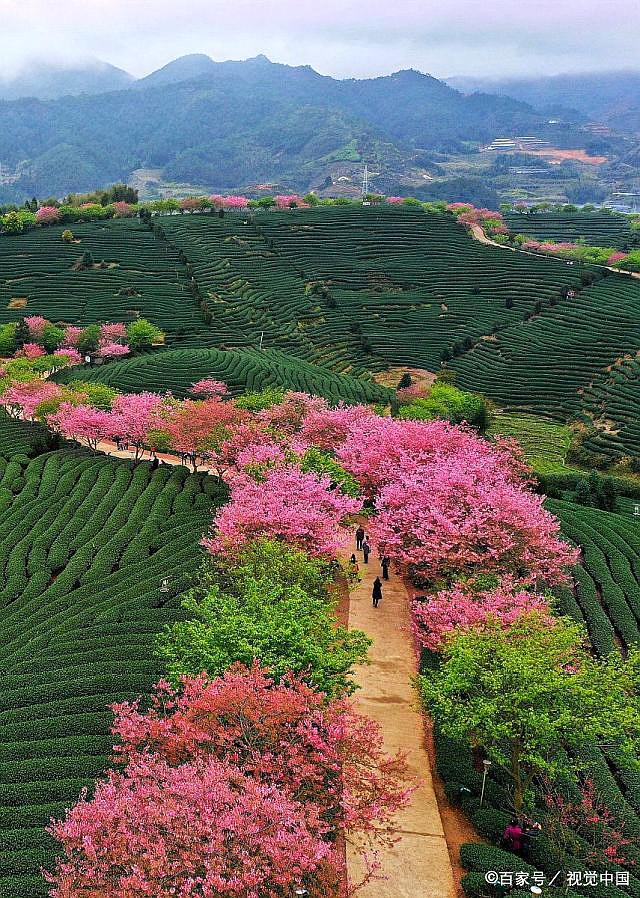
(343, 38)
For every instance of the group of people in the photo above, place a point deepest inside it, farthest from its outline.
(518, 838)
(363, 545)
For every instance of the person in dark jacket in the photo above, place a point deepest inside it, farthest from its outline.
(366, 549)
(360, 534)
(385, 561)
(376, 593)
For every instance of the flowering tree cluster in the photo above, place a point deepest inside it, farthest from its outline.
(300, 509)
(232, 786)
(47, 215)
(34, 335)
(491, 222)
(470, 606)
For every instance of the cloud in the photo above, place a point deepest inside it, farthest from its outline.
(339, 37)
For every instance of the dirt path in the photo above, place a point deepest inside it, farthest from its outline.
(418, 866)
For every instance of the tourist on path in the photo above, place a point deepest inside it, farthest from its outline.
(385, 561)
(360, 535)
(366, 549)
(353, 570)
(376, 593)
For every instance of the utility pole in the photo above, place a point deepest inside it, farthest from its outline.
(365, 186)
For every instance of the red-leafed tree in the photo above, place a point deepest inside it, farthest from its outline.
(236, 786)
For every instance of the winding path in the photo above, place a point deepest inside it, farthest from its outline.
(418, 866)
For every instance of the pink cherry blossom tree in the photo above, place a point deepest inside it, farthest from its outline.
(235, 786)
(22, 399)
(112, 333)
(208, 388)
(36, 325)
(455, 516)
(299, 509)
(110, 350)
(135, 414)
(47, 215)
(467, 607)
(84, 424)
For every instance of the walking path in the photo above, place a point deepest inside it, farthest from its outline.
(418, 866)
(477, 232)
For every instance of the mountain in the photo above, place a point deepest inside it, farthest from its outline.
(599, 95)
(47, 81)
(229, 125)
(185, 68)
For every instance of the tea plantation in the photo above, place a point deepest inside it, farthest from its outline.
(595, 228)
(37, 277)
(352, 290)
(241, 370)
(318, 300)
(85, 543)
(607, 580)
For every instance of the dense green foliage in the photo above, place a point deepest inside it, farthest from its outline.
(257, 122)
(273, 607)
(446, 401)
(84, 546)
(518, 692)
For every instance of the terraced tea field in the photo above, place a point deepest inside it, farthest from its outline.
(612, 402)
(595, 228)
(84, 545)
(241, 370)
(546, 364)
(38, 267)
(607, 580)
(545, 443)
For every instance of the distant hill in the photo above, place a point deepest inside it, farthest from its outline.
(600, 95)
(233, 124)
(48, 82)
(185, 68)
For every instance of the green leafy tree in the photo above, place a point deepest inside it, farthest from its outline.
(52, 337)
(89, 339)
(141, 334)
(529, 693)
(321, 462)
(446, 401)
(7, 339)
(97, 394)
(257, 401)
(12, 223)
(273, 607)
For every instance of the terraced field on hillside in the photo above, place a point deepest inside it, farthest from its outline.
(84, 545)
(38, 267)
(241, 370)
(351, 290)
(545, 364)
(612, 402)
(595, 228)
(607, 580)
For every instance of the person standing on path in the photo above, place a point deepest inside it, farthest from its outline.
(360, 535)
(353, 570)
(376, 593)
(366, 549)
(385, 561)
